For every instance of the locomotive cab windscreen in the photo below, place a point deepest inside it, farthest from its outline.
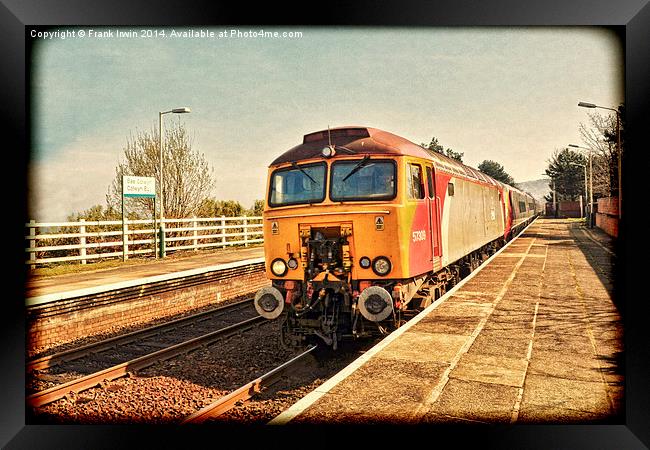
(298, 184)
(364, 179)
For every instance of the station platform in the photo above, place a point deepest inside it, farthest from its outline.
(47, 288)
(67, 308)
(532, 336)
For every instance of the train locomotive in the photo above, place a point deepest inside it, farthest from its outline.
(362, 227)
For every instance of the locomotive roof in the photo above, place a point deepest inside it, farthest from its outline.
(365, 140)
(361, 140)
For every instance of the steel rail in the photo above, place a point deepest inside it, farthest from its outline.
(244, 393)
(41, 398)
(106, 344)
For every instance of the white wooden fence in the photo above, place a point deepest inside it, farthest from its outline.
(53, 242)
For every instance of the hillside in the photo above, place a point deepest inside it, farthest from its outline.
(537, 188)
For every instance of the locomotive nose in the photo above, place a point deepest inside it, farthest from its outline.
(375, 303)
(269, 302)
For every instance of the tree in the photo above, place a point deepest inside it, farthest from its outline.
(188, 178)
(600, 136)
(565, 169)
(435, 146)
(97, 213)
(455, 155)
(258, 208)
(496, 171)
(211, 207)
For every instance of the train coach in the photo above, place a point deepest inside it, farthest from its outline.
(362, 226)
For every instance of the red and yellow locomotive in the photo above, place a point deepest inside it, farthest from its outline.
(361, 225)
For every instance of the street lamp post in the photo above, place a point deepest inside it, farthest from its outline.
(554, 201)
(162, 203)
(584, 166)
(591, 185)
(618, 147)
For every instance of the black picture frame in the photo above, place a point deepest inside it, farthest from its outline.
(630, 18)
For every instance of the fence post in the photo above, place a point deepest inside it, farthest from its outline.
(245, 231)
(196, 241)
(125, 239)
(82, 241)
(32, 244)
(223, 231)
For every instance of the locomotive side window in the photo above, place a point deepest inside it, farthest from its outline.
(416, 185)
(522, 207)
(430, 182)
(365, 179)
(298, 184)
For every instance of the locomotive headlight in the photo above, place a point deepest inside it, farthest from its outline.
(278, 267)
(364, 262)
(328, 151)
(293, 263)
(381, 266)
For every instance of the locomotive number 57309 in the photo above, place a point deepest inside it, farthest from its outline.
(419, 235)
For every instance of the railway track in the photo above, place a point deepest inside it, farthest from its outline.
(104, 346)
(245, 392)
(71, 388)
(64, 367)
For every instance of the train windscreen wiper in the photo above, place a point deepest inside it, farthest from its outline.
(362, 163)
(296, 166)
(345, 149)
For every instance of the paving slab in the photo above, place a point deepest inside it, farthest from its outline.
(561, 416)
(558, 392)
(472, 401)
(418, 346)
(493, 369)
(491, 342)
(559, 364)
(384, 389)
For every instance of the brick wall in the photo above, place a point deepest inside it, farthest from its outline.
(569, 209)
(68, 320)
(564, 209)
(607, 215)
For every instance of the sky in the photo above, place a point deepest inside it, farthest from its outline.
(501, 93)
